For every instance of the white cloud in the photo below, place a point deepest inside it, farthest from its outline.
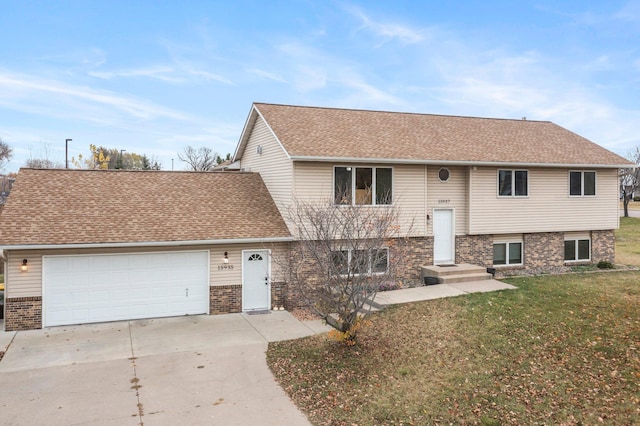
(160, 72)
(386, 30)
(55, 98)
(266, 75)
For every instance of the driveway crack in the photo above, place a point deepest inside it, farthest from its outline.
(135, 381)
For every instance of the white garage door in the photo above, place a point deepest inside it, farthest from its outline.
(96, 288)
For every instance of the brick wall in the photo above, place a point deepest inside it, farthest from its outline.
(410, 255)
(544, 251)
(278, 294)
(225, 299)
(603, 246)
(475, 249)
(23, 313)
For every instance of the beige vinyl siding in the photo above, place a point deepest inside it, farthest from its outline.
(29, 284)
(273, 164)
(451, 194)
(231, 273)
(508, 238)
(582, 235)
(314, 183)
(23, 284)
(548, 208)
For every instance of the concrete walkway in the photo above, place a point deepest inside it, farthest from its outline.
(184, 370)
(438, 291)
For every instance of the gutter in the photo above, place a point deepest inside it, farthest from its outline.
(458, 163)
(147, 244)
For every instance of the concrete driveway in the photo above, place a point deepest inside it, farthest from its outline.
(186, 370)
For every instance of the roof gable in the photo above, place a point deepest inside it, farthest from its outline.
(312, 133)
(51, 207)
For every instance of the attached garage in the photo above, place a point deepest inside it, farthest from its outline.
(112, 287)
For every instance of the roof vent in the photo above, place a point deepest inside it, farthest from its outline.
(524, 118)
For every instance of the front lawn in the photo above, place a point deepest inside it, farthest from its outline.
(628, 241)
(559, 350)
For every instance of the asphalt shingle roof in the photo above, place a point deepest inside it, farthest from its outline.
(358, 134)
(95, 206)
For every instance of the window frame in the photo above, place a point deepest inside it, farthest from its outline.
(507, 259)
(370, 262)
(374, 185)
(513, 183)
(576, 249)
(582, 194)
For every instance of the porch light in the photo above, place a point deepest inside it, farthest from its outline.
(24, 267)
(226, 257)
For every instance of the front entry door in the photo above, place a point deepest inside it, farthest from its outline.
(256, 282)
(443, 237)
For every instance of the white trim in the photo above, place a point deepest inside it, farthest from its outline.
(246, 133)
(576, 240)
(268, 252)
(374, 184)
(148, 244)
(454, 162)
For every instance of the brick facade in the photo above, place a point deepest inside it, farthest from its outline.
(603, 246)
(543, 251)
(278, 294)
(225, 299)
(411, 254)
(475, 249)
(23, 313)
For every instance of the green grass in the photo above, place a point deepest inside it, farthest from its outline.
(559, 350)
(628, 241)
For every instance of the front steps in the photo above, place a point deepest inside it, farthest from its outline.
(450, 274)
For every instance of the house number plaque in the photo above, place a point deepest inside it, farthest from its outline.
(224, 267)
(444, 201)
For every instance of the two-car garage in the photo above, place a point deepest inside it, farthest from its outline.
(111, 287)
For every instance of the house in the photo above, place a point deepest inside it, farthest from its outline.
(509, 194)
(87, 246)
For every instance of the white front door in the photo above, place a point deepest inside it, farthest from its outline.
(256, 281)
(443, 237)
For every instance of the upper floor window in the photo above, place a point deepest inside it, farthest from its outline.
(371, 185)
(582, 183)
(513, 183)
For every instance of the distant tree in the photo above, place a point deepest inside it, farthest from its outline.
(630, 180)
(6, 152)
(220, 160)
(43, 160)
(200, 160)
(98, 159)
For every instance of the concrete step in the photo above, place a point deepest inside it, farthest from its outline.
(459, 269)
(463, 278)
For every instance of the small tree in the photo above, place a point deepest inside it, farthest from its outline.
(6, 152)
(43, 160)
(99, 159)
(202, 159)
(630, 180)
(345, 254)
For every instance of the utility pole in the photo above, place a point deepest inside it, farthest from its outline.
(121, 158)
(66, 152)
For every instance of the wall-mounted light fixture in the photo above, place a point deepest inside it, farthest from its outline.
(25, 266)
(226, 257)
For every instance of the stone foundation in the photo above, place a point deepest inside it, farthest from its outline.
(603, 246)
(23, 313)
(225, 299)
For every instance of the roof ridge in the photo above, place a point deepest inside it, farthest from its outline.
(64, 170)
(402, 112)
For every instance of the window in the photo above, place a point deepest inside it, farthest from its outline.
(513, 183)
(371, 185)
(444, 174)
(507, 253)
(358, 262)
(577, 250)
(582, 184)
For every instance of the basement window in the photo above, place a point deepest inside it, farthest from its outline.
(505, 254)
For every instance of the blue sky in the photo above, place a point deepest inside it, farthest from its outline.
(152, 77)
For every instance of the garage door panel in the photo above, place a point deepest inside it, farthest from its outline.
(80, 289)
